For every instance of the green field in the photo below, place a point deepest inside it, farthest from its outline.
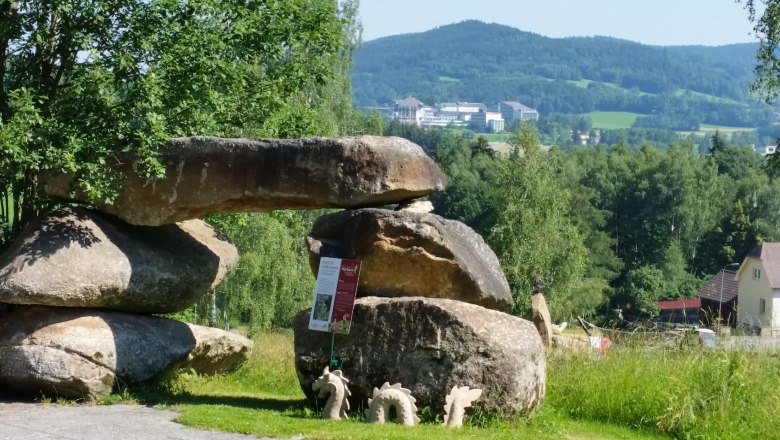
(708, 129)
(613, 120)
(705, 97)
(447, 79)
(583, 83)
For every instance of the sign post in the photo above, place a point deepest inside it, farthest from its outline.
(334, 298)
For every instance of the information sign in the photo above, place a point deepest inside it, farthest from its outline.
(334, 295)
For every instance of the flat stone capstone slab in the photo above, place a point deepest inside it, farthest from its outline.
(430, 345)
(208, 175)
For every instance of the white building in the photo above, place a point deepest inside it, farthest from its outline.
(461, 111)
(492, 121)
(758, 301)
(513, 111)
(766, 149)
(409, 110)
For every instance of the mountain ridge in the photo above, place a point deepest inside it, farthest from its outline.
(488, 62)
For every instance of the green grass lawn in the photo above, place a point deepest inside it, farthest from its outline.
(613, 120)
(650, 390)
(263, 398)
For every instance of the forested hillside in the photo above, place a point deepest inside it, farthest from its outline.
(676, 88)
(607, 227)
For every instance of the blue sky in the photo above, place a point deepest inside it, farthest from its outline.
(658, 22)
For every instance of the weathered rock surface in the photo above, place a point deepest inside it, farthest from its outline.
(214, 175)
(74, 352)
(430, 345)
(82, 258)
(418, 206)
(540, 316)
(216, 351)
(413, 254)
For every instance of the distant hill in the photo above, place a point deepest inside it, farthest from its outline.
(675, 87)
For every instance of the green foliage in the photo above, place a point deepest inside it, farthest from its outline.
(532, 234)
(642, 288)
(273, 281)
(84, 82)
(767, 29)
(654, 222)
(471, 168)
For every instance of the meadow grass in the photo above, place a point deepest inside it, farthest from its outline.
(709, 129)
(689, 392)
(448, 79)
(613, 120)
(582, 83)
(263, 398)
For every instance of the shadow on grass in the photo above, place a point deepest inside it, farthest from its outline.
(280, 405)
(156, 396)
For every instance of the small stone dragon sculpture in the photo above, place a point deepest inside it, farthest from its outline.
(392, 396)
(456, 403)
(335, 385)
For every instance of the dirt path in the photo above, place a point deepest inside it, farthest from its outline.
(97, 422)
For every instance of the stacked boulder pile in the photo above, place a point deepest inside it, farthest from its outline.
(86, 284)
(80, 286)
(432, 313)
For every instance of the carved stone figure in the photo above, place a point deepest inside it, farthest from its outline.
(335, 385)
(396, 397)
(456, 403)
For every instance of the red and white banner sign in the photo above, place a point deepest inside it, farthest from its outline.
(334, 295)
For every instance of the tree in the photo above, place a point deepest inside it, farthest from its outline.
(767, 29)
(643, 288)
(471, 192)
(533, 234)
(717, 143)
(273, 280)
(84, 81)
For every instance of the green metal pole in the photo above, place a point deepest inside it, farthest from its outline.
(332, 343)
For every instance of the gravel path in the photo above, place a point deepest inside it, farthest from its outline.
(97, 422)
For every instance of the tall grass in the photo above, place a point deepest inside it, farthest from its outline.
(690, 393)
(263, 398)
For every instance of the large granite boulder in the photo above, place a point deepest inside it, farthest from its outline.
(82, 258)
(216, 351)
(430, 345)
(76, 353)
(213, 175)
(413, 254)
